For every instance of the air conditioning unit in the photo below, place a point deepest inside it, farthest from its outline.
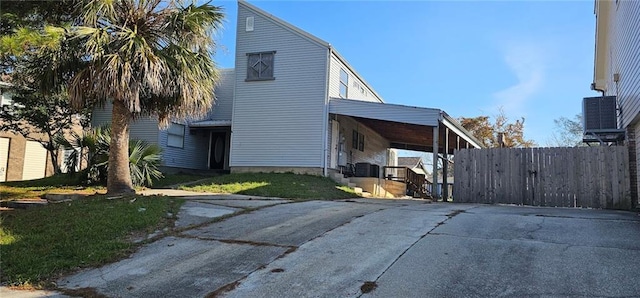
(599, 114)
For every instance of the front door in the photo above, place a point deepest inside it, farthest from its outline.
(217, 150)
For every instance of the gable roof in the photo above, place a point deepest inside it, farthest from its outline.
(309, 37)
(284, 24)
(410, 162)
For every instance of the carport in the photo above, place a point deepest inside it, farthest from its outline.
(410, 128)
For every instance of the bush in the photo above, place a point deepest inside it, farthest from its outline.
(93, 148)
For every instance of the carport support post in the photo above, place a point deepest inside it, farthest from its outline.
(434, 181)
(445, 166)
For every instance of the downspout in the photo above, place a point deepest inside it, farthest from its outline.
(325, 118)
(593, 87)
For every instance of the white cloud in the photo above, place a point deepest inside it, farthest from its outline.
(527, 63)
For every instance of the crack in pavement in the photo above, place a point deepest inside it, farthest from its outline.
(231, 286)
(237, 241)
(534, 241)
(586, 218)
(449, 216)
(538, 228)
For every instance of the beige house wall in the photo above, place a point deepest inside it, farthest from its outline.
(15, 163)
(375, 146)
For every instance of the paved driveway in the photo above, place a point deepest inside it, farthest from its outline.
(379, 248)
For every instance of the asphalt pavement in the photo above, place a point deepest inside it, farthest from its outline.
(241, 246)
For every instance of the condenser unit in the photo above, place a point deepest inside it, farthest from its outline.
(599, 114)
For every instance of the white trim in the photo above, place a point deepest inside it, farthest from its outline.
(211, 123)
(325, 118)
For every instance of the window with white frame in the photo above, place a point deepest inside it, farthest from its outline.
(260, 66)
(175, 135)
(344, 83)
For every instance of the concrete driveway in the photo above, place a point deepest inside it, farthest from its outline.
(378, 248)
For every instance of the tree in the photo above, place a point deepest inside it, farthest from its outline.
(34, 115)
(27, 33)
(146, 57)
(489, 133)
(28, 27)
(568, 132)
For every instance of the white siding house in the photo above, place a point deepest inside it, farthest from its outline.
(292, 103)
(617, 70)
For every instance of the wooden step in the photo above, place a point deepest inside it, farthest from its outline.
(357, 190)
(365, 194)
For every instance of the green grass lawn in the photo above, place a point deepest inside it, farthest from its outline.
(173, 179)
(68, 183)
(41, 243)
(286, 185)
(61, 183)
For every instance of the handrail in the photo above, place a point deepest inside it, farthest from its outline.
(416, 183)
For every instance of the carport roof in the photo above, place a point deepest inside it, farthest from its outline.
(407, 127)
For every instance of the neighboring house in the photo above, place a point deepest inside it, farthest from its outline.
(20, 159)
(413, 163)
(294, 104)
(617, 71)
(23, 157)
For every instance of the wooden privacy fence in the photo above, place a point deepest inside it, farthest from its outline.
(596, 177)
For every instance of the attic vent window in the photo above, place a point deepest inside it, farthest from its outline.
(249, 25)
(260, 66)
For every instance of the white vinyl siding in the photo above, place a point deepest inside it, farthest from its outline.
(142, 128)
(386, 112)
(278, 123)
(194, 153)
(223, 106)
(35, 161)
(356, 88)
(623, 36)
(175, 135)
(4, 158)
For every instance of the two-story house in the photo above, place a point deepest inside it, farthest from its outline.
(294, 104)
(617, 71)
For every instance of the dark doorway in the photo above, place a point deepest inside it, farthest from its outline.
(217, 150)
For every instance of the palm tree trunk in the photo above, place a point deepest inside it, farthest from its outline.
(119, 176)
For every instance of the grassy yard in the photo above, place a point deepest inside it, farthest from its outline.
(286, 185)
(39, 244)
(67, 183)
(178, 178)
(62, 183)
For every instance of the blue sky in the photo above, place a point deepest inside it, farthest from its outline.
(532, 58)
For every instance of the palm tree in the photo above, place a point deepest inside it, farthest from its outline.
(147, 57)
